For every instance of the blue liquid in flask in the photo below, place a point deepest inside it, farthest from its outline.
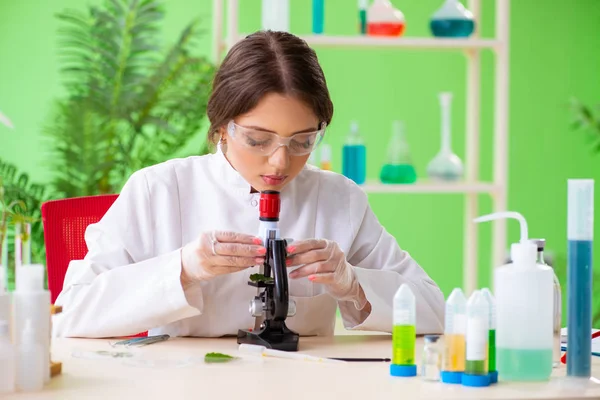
(452, 27)
(579, 308)
(354, 160)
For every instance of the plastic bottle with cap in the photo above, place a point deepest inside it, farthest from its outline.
(492, 335)
(7, 360)
(30, 360)
(404, 333)
(541, 245)
(524, 311)
(478, 325)
(455, 331)
(32, 301)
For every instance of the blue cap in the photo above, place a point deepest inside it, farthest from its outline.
(475, 380)
(493, 376)
(451, 376)
(403, 370)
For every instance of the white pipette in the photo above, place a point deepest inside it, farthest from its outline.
(262, 350)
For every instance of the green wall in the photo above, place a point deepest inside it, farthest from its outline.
(374, 87)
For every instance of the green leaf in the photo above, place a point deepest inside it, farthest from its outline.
(218, 358)
(261, 278)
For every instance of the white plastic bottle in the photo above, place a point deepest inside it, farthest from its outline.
(7, 360)
(524, 311)
(32, 301)
(5, 304)
(30, 361)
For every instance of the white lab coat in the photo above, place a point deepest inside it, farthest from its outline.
(129, 281)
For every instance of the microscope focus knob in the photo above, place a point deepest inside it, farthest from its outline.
(291, 308)
(256, 307)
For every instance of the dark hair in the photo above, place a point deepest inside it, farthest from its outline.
(267, 62)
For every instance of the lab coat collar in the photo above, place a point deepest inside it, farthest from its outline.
(229, 175)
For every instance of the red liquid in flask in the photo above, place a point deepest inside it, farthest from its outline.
(385, 28)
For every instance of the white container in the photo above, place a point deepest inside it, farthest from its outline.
(276, 15)
(30, 361)
(32, 301)
(5, 303)
(7, 360)
(524, 311)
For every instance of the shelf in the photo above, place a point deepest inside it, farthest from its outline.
(431, 187)
(402, 42)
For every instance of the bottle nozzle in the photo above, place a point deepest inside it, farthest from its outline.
(507, 214)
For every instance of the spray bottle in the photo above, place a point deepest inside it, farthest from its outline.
(455, 331)
(524, 311)
(492, 335)
(404, 333)
(478, 323)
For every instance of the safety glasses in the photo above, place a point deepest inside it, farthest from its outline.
(265, 143)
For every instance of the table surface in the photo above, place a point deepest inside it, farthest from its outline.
(175, 370)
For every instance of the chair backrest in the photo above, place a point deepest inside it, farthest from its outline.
(65, 222)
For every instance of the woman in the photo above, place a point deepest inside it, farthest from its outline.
(174, 253)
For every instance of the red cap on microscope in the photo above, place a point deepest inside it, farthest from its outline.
(269, 205)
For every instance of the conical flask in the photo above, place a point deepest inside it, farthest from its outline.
(398, 167)
(452, 19)
(446, 166)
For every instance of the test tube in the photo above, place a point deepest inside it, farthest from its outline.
(492, 335)
(478, 323)
(580, 236)
(404, 333)
(454, 337)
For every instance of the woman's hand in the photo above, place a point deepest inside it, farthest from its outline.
(217, 253)
(324, 262)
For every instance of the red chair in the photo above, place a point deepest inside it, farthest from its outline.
(65, 222)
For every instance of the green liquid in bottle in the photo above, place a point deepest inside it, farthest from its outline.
(398, 173)
(403, 343)
(475, 367)
(524, 364)
(492, 350)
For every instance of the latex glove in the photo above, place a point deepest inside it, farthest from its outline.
(217, 253)
(324, 262)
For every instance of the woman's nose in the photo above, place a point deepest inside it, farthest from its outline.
(280, 158)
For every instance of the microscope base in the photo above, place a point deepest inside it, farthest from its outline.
(281, 339)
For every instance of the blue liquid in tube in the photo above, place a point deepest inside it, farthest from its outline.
(579, 308)
(318, 16)
(354, 162)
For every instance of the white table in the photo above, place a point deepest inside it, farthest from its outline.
(262, 378)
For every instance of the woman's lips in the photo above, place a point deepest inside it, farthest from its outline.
(273, 180)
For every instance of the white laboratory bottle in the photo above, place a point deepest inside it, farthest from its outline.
(32, 301)
(524, 311)
(404, 333)
(30, 361)
(276, 15)
(7, 360)
(5, 303)
(455, 330)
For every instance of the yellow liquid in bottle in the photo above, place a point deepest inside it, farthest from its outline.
(455, 352)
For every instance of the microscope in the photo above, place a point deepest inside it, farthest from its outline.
(272, 300)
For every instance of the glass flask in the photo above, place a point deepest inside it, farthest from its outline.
(445, 166)
(383, 19)
(452, 19)
(431, 363)
(398, 167)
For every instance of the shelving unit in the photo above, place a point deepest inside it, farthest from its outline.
(471, 187)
